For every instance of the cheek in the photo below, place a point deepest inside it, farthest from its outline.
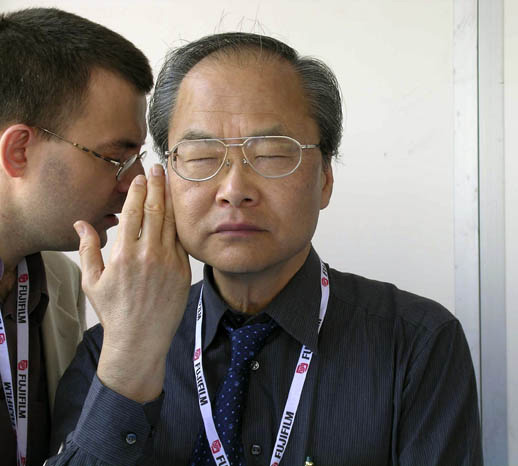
(190, 204)
(305, 194)
(55, 186)
(294, 207)
(66, 194)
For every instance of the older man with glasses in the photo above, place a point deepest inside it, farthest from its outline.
(64, 79)
(274, 357)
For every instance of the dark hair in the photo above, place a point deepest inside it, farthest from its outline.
(318, 81)
(46, 59)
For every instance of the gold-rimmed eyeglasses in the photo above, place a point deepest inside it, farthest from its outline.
(269, 156)
(122, 167)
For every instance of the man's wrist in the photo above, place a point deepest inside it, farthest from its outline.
(139, 377)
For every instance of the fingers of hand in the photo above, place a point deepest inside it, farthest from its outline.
(154, 206)
(169, 227)
(130, 221)
(90, 255)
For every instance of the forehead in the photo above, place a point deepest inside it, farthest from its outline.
(112, 109)
(236, 96)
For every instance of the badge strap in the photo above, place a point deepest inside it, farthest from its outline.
(297, 384)
(19, 412)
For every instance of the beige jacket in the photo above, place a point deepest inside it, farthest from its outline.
(64, 321)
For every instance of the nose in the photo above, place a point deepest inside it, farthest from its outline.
(125, 180)
(237, 184)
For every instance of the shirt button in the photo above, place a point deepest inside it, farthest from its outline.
(256, 450)
(254, 365)
(131, 438)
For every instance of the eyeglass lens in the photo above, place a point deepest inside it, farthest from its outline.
(200, 159)
(129, 163)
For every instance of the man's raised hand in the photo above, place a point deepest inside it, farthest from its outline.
(141, 293)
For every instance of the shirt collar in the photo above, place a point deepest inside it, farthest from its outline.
(295, 308)
(214, 307)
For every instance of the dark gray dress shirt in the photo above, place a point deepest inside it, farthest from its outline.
(391, 383)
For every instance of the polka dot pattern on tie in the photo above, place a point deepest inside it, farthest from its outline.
(246, 342)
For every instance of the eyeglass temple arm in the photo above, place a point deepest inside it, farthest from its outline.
(83, 148)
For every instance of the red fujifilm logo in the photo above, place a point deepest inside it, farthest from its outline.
(302, 367)
(2, 338)
(216, 446)
(23, 278)
(197, 354)
(22, 365)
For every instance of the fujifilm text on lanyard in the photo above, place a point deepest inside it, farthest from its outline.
(19, 412)
(290, 410)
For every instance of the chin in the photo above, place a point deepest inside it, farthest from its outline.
(251, 262)
(237, 268)
(69, 243)
(231, 262)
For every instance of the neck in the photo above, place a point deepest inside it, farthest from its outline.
(7, 283)
(8, 279)
(252, 292)
(11, 253)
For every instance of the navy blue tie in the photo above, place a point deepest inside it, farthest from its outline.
(246, 342)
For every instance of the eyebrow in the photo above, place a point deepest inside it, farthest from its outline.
(118, 145)
(195, 134)
(276, 130)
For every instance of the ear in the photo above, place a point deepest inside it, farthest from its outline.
(14, 142)
(327, 185)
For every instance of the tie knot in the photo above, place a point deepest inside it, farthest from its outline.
(247, 341)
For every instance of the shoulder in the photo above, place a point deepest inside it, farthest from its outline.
(376, 315)
(376, 300)
(64, 287)
(59, 264)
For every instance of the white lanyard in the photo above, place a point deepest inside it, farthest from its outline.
(297, 384)
(18, 413)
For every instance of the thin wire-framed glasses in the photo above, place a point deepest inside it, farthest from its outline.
(122, 167)
(269, 156)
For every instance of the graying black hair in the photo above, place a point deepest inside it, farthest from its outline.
(318, 81)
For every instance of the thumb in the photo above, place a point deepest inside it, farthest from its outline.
(92, 264)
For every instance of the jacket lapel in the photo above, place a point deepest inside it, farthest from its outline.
(61, 331)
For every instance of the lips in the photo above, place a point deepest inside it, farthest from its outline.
(116, 211)
(112, 220)
(237, 227)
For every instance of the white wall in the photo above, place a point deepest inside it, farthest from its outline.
(511, 183)
(391, 215)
